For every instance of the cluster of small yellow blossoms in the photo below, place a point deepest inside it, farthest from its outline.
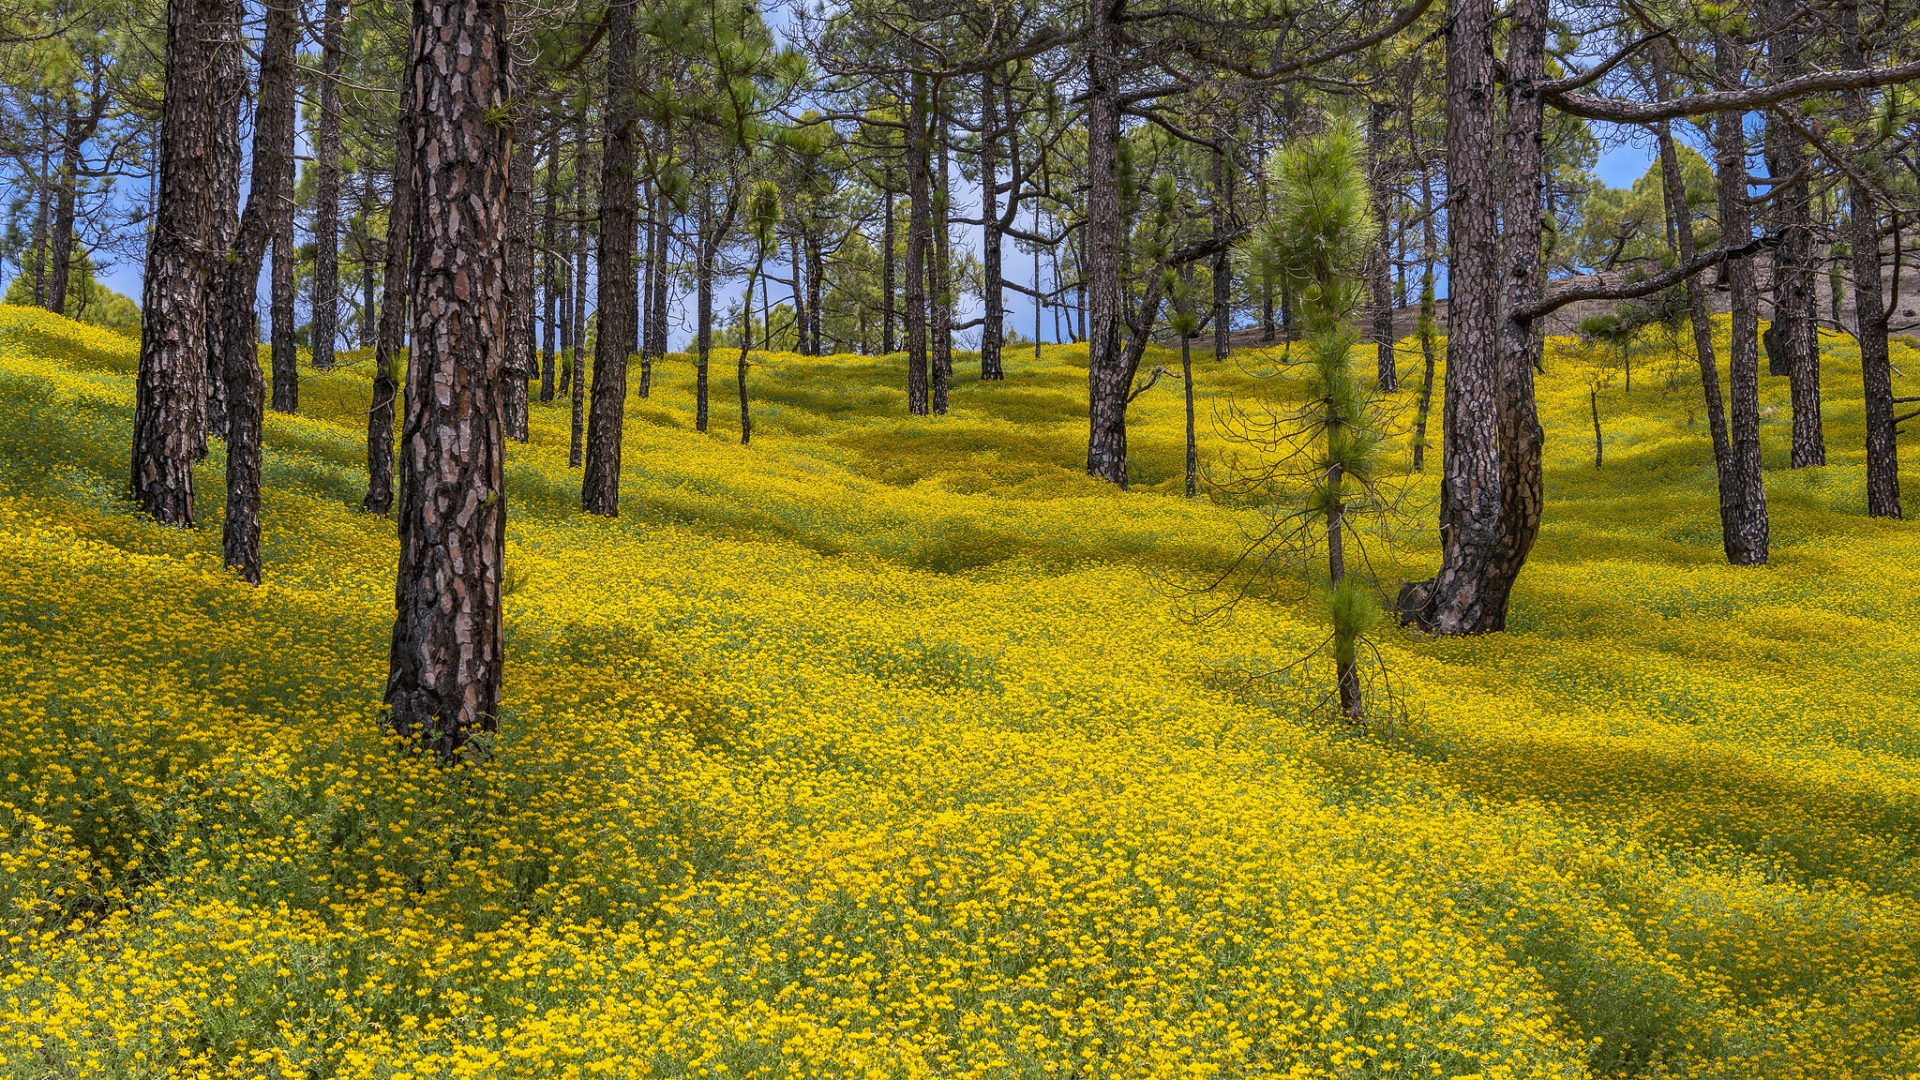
(881, 748)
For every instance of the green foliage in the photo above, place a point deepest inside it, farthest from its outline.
(87, 299)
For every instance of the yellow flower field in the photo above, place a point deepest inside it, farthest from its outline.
(881, 749)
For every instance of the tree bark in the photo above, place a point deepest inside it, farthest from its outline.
(1429, 248)
(203, 44)
(549, 263)
(1464, 596)
(444, 680)
(237, 283)
(1108, 378)
(326, 190)
(517, 366)
(285, 347)
(919, 229)
(887, 243)
(1222, 199)
(576, 368)
(1869, 304)
(80, 127)
(233, 89)
(993, 321)
(1387, 366)
(1743, 523)
(1793, 345)
(363, 235)
(392, 335)
(600, 486)
(939, 283)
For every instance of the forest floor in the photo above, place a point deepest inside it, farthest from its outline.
(883, 747)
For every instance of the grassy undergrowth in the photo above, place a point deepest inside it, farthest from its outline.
(879, 749)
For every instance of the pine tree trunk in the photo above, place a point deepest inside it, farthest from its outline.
(1108, 379)
(565, 331)
(1387, 367)
(549, 263)
(816, 277)
(1429, 248)
(994, 319)
(600, 486)
(746, 344)
(517, 366)
(919, 229)
(326, 190)
(1793, 345)
(940, 270)
(63, 211)
(1186, 383)
(369, 304)
(577, 369)
(237, 287)
(1461, 599)
(703, 317)
(444, 680)
(1869, 304)
(285, 346)
(233, 88)
(393, 314)
(887, 243)
(1743, 523)
(203, 44)
(1222, 198)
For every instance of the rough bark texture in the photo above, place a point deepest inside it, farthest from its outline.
(994, 319)
(919, 230)
(203, 39)
(1108, 378)
(549, 266)
(657, 321)
(1429, 248)
(887, 244)
(1461, 599)
(1743, 516)
(516, 368)
(577, 365)
(80, 126)
(237, 285)
(326, 190)
(393, 314)
(446, 659)
(1793, 345)
(1221, 197)
(1521, 488)
(284, 346)
(600, 487)
(1387, 367)
(939, 287)
(232, 90)
(1869, 303)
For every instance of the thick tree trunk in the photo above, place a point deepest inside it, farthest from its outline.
(1793, 344)
(326, 190)
(919, 230)
(233, 89)
(1108, 378)
(203, 47)
(237, 287)
(1387, 367)
(393, 314)
(444, 680)
(1869, 303)
(939, 272)
(1743, 515)
(1521, 488)
(994, 320)
(1466, 596)
(517, 366)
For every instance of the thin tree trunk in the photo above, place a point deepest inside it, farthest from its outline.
(643, 322)
(517, 365)
(919, 229)
(369, 308)
(1744, 507)
(393, 314)
(657, 324)
(1221, 196)
(238, 284)
(1186, 381)
(703, 313)
(939, 282)
(576, 369)
(1869, 304)
(565, 287)
(42, 218)
(1429, 248)
(74, 136)
(1593, 402)
(285, 346)
(746, 343)
(1387, 366)
(444, 679)
(326, 190)
(1793, 346)
(994, 319)
(549, 261)
(886, 272)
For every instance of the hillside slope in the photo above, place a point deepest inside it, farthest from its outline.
(881, 748)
